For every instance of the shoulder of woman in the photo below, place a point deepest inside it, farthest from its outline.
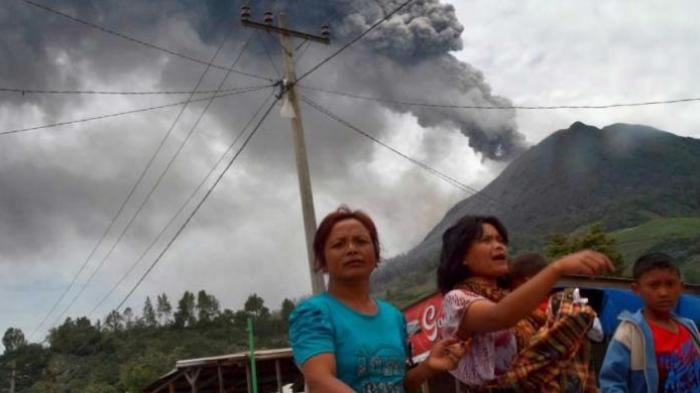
(313, 306)
(386, 307)
(460, 296)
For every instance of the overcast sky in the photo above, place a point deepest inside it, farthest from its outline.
(61, 187)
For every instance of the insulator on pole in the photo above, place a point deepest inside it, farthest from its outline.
(245, 13)
(325, 31)
(268, 17)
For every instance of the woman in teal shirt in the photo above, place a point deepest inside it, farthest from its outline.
(346, 341)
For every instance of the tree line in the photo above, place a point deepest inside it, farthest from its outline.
(127, 350)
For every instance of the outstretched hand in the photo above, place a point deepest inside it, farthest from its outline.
(445, 354)
(587, 262)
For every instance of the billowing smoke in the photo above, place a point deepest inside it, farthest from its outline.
(407, 58)
(409, 55)
(415, 44)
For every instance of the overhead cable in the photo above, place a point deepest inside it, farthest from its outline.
(501, 107)
(454, 182)
(141, 42)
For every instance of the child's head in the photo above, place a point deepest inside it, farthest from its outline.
(524, 268)
(657, 281)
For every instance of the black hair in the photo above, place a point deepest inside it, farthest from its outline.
(456, 241)
(526, 265)
(649, 262)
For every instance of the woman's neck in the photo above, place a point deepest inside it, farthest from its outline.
(485, 281)
(353, 293)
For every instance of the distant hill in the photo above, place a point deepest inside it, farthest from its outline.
(677, 236)
(623, 176)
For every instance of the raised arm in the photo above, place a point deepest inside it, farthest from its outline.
(485, 316)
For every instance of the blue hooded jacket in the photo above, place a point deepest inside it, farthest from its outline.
(630, 361)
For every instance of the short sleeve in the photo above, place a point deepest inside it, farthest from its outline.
(310, 332)
(454, 305)
(489, 353)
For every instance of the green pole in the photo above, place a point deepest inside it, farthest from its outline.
(251, 355)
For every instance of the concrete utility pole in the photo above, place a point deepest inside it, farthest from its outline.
(290, 109)
(13, 365)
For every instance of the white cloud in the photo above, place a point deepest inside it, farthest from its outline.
(569, 53)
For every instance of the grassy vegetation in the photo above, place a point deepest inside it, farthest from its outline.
(675, 235)
(411, 288)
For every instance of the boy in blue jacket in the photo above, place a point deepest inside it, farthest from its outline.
(653, 350)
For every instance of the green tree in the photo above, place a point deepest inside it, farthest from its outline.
(595, 238)
(30, 362)
(84, 358)
(149, 314)
(144, 369)
(13, 339)
(255, 306)
(113, 322)
(240, 319)
(164, 309)
(207, 307)
(128, 318)
(185, 314)
(99, 388)
(77, 337)
(285, 310)
(225, 319)
(558, 245)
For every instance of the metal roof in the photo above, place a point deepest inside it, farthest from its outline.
(265, 354)
(230, 371)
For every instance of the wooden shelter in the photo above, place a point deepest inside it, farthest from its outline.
(231, 374)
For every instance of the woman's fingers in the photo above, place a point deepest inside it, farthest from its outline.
(449, 341)
(457, 349)
(454, 358)
(601, 263)
(592, 263)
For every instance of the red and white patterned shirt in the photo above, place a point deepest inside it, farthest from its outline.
(489, 355)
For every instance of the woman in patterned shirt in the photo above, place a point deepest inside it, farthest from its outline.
(474, 257)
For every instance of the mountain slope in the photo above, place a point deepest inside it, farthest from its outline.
(622, 175)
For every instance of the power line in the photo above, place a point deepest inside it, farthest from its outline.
(454, 182)
(165, 170)
(120, 93)
(140, 42)
(496, 107)
(199, 205)
(182, 207)
(135, 186)
(73, 281)
(191, 215)
(359, 37)
(428, 168)
(269, 57)
(302, 52)
(304, 42)
(148, 109)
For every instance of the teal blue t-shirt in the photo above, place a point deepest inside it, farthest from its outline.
(370, 350)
